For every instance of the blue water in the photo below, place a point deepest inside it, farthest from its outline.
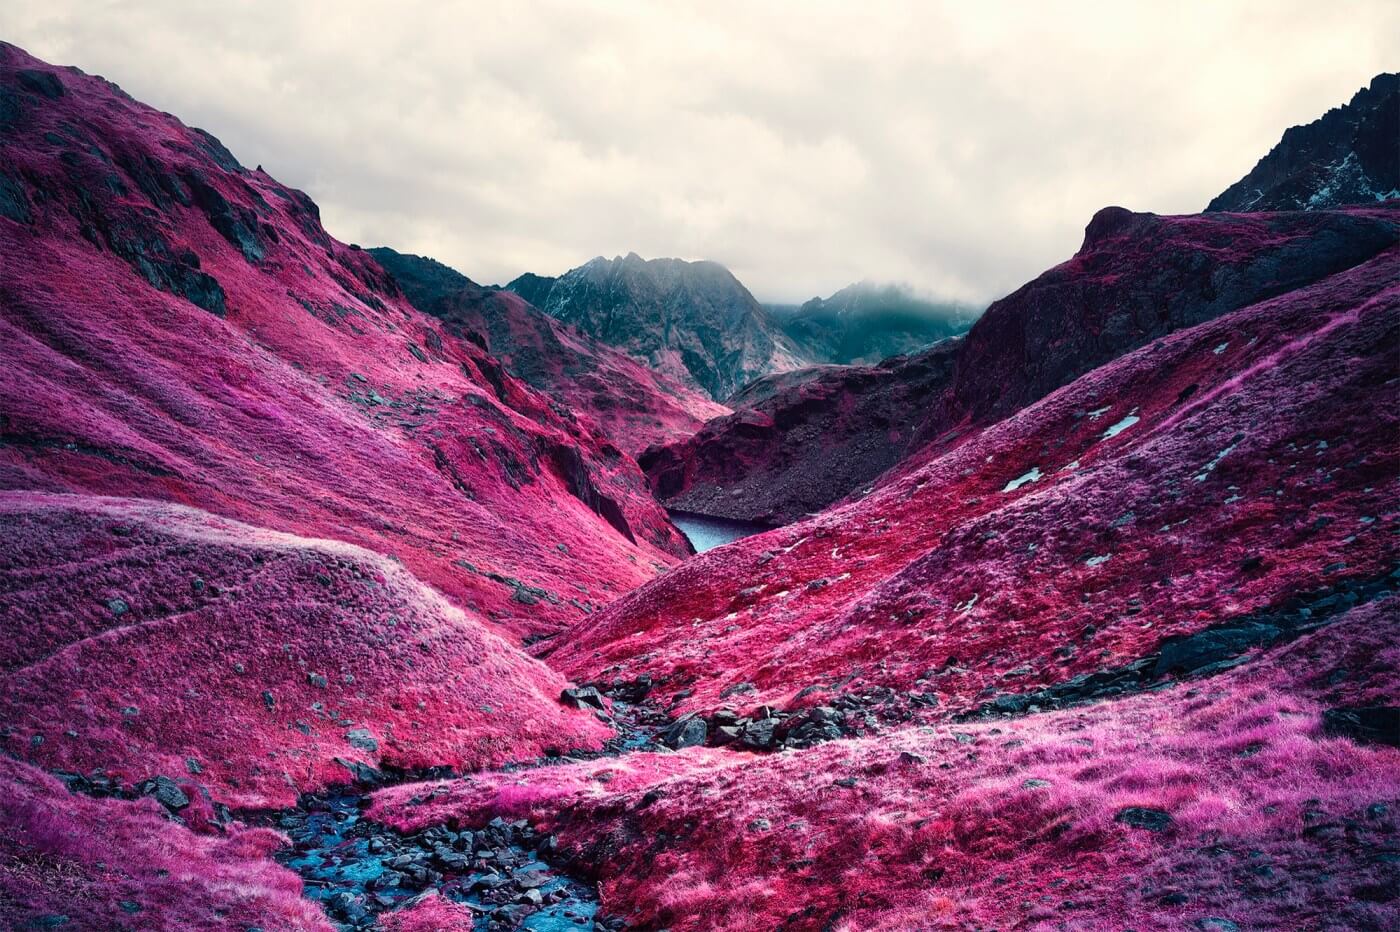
(707, 533)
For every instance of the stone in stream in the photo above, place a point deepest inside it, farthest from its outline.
(580, 697)
(687, 732)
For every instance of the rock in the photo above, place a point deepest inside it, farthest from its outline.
(40, 82)
(688, 732)
(580, 697)
(1193, 652)
(1364, 725)
(118, 607)
(317, 680)
(166, 792)
(193, 766)
(758, 734)
(1153, 820)
(1216, 924)
(362, 739)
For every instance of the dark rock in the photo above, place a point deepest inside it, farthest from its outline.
(1364, 725)
(1153, 820)
(40, 82)
(758, 734)
(316, 679)
(1193, 652)
(688, 732)
(166, 792)
(580, 697)
(362, 738)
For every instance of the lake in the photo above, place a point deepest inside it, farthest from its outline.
(707, 533)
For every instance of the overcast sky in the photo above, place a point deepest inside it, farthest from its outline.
(958, 148)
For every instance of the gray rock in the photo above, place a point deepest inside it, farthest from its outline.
(166, 792)
(1153, 820)
(687, 732)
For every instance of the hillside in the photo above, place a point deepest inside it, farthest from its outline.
(633, 406)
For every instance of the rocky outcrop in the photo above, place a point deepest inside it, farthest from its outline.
(792, 450)
(1350, 155)
(632, 406)
(691, 321)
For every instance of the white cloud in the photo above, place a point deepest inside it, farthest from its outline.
(805, 145)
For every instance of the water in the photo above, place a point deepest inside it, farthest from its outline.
(707, 533)
(358, 870)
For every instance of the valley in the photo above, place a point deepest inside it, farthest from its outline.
(343, 592)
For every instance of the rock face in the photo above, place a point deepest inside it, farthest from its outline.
(633, 406)
(690, 321)
(1350, 155)
(865, 323)
(802, 440)
(179, 328)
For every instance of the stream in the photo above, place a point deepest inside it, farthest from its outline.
(506, 873)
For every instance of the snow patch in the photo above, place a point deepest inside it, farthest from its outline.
(1122, 425)
(1032, 476)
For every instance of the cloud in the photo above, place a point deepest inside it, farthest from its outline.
(806, 146)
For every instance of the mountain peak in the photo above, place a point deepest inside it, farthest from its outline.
(1349, 155)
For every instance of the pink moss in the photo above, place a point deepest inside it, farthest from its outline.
(265, 658)
(107, 864)
(1005, 824)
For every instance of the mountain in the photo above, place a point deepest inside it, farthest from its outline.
(1350, 155)
(799, 441)
(1065, 641)
(866, 322)
(260, 512)
(633, 406)
(691, 321)
(318, 617)
(829, 433)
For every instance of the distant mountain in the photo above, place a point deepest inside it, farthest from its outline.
(867, 322)
(691, 321)
(799, 441)
(1350, 155)
(633, 406)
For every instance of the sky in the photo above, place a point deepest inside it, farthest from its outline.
(957, 148)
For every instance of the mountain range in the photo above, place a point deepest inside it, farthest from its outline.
(336, 598)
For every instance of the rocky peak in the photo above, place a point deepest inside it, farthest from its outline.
(692, 321)
(1350, 155)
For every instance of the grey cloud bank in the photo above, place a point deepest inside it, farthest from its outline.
(805, 146)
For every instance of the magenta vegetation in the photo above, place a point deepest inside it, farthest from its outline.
(1082, 620)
